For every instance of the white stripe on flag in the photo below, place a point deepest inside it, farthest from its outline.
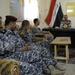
(56, 8)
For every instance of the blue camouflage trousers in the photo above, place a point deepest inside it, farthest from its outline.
(46, 43)
(33, 58)
(45, 54)
(27, 69)
(37, 56)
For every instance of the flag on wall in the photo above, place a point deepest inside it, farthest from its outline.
(55, 14)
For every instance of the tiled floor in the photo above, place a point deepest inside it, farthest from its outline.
(70, 70)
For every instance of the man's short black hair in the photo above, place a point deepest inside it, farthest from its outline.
(0, 17)
(24, 23)
(7, 21)
(35, 20)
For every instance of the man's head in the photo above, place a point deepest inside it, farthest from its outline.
(10, 22)
(25, 25)
(36, 22)
(65, 17)
(0, 21)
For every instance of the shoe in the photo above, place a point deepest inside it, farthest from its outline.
(59, 67)
(46, 72)
(55, 70)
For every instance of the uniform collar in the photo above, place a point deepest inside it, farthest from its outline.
(8, 31)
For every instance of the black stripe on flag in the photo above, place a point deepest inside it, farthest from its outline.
(58, 18)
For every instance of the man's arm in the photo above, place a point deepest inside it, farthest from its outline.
(70, 24)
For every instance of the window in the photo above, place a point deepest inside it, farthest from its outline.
(31, 10)
(71, 8)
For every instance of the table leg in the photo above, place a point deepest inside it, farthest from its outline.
(55, 51)
(67, 54)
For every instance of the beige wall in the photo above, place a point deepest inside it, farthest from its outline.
(43, 10)
(63, 3)
(5, 9)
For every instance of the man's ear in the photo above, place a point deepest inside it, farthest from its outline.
(10, 23)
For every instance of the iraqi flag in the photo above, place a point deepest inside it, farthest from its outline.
(55, 14)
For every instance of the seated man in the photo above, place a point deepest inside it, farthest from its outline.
(65, 23)
(36, 30)
(7, 48)
(26, 36)
(18, 49)
(1, 22)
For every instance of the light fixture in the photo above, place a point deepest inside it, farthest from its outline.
(69, 11)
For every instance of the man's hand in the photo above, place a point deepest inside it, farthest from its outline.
(25, 47)
(48, 34)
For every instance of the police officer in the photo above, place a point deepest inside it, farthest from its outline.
(1, 27)
(36, 30)
(26, 36)
(32, 56)
(8, 48)
(29, 53)
(65, 23)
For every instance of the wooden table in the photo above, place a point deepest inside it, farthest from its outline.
(65, 41)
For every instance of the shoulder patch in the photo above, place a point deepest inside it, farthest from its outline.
(21, 32)
(3, 31)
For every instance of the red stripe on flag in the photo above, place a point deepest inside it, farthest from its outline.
(49, 16)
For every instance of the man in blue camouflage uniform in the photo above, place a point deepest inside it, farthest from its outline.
(0, 22)
(27, 37)
(8, 49)
(21, 51)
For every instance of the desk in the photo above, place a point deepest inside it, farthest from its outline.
(62, 33)
(61, 41)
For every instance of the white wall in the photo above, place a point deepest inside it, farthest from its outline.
(43, 10)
